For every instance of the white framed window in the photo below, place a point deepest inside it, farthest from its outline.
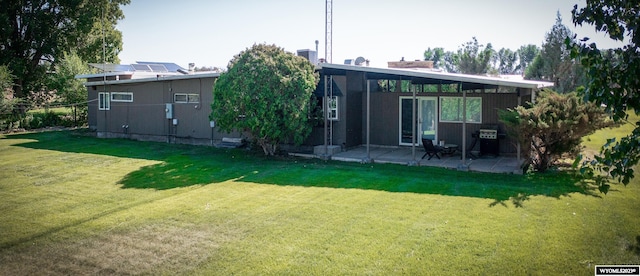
(186, 98)
(122, 97)
(451, 109)
(103, 101)
(332, 108)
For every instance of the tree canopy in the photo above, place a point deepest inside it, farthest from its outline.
(554, 63)
(436, 55)
(6, 98)
(35, 34)
(70, 89)
(474, 58)
(612, 80)
(266, 92)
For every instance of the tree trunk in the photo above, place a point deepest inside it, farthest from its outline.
(268, 148)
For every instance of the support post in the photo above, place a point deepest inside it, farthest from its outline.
(325, 112)
(368, 158)
(463, 166)
(414, 137)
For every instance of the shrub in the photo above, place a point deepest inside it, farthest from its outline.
(552, 127)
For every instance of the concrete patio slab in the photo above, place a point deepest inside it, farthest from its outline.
(405, 156)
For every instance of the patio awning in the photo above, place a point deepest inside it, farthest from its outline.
(319, 92)
(420, 76)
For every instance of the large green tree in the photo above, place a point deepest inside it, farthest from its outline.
(613, 81)
(507, 61)
(7, 101)
(266, 93)
(554, 62)
(526, 55)
(69, 89)
(475, 58)
(552, 127)
(436, 55)
(34, 34)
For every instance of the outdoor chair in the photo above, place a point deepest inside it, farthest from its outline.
(430, 149)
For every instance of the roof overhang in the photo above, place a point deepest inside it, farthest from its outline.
(419, 76)
(149, 79)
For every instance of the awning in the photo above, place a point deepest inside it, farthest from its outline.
(319, 92)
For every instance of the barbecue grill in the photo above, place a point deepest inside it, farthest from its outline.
(489, 142)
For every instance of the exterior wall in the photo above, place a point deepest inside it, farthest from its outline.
(385, 110)
(339, 136)
(355, 87)
(146, 116)
(385, 124)
(92, 107)
(491, 103)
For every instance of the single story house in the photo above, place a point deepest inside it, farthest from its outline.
(364, 106)
(153, 102)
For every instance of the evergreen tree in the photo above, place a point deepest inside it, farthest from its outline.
(553, 127)
(554, 63)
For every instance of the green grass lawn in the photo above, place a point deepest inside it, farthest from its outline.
(74, 204)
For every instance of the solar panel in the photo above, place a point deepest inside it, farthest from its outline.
(141, 67)
(171, 67)
(158, 68)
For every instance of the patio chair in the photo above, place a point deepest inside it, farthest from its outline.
(431, 149)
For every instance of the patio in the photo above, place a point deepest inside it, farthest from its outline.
(404, 156)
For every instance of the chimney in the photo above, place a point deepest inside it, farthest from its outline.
(310, 55)
(192, 68)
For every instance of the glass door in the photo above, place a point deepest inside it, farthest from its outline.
(426, 119)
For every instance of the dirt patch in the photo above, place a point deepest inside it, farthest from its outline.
(154, 249)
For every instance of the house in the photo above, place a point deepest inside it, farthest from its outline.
(153, 102)
(400, 107)
(364, 106)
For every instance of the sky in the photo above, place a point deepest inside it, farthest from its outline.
(210, 32)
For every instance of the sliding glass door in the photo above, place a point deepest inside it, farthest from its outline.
(426, 111)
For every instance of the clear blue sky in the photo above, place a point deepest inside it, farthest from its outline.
(211, 32)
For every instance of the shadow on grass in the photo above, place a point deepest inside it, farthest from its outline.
(182, 165)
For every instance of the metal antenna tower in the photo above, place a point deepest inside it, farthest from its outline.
(328, 31)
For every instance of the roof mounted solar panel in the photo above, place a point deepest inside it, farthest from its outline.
(171, 67)
(141, 67)
(158, 68)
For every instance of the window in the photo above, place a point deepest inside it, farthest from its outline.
(332, 108)
(186, 98)
(451, 109)
(103, 101)
(122, 97)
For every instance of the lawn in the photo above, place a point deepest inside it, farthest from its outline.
(74, 204)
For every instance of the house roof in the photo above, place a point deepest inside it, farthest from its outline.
(420, 76)
(319, 92)
(140, 69)
(154, 78)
